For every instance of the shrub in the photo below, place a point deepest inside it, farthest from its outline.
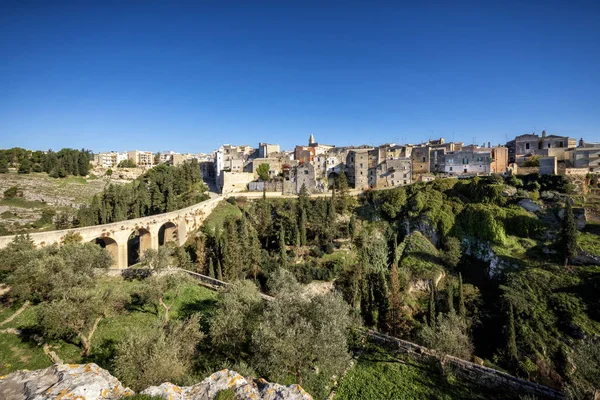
(12, 192)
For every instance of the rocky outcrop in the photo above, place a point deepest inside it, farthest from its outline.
(529, 205)
(63, 381)
(243, 388)
(90, 382)
(579, 216)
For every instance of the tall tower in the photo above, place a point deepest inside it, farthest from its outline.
(311, 140)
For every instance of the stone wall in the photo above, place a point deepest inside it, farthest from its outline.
(231, 182)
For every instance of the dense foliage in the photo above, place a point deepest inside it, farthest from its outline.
(159, 190)
(57, 164)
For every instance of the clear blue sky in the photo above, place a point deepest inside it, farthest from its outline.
(189, 76)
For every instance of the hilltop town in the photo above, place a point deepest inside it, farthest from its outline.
(235, 168)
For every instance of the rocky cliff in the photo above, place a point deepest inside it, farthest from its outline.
(90, 382)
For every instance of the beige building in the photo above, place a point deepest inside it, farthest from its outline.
(141, 158)
(525, 146)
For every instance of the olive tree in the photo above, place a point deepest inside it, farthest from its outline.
(236, 317)
(305, 337)
(78, 314)
(163, 353)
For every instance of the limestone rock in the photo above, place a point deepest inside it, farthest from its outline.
(529, 205)
(509, 191)
(578, 214)
(244, 389)
(65, 381)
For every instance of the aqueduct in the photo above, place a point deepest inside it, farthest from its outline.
(126, 240)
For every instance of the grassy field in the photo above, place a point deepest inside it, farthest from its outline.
(379, 374)
(22, 352)
(221, 212)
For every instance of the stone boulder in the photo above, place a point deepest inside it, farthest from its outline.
(64, 381)
(509, 191)
(529, 205)
(244, 389)
(578, 214)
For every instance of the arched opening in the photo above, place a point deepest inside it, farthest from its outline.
(109, 244)
(138, 242)
(167, 233)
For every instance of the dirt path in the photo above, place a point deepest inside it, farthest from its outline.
(16, 314)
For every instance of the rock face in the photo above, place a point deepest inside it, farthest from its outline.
(244, 389)
(63, 381)
(529, 205)
(90, 382)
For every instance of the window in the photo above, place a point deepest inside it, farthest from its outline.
(450, 169)
(361, 165)
(423, 159)
(526, 146)
(548, 145)
(305, 172)
(561, 144)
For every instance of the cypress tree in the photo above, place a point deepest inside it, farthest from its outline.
(344, 193)
(512, 337)
(219, 271)
(352, 226)
(282, 250)
(395, 302)
(462, 311)
(211, 269)
(302, 227)
(569, 234)
(431, 310)
(450, 296)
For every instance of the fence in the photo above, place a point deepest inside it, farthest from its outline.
(475, 373)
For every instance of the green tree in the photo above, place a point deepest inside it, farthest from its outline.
(462, 311)
(344, 193)
(235, 318)
(450, 295)
(448, 337)
(165, 353)
(452, 254)
(511, 340)
(569, 234)
(302, 227)
(431, 310)
(162, 292)
(282, 248)
(352, 226)
(219, 270)
(211, 268)
(3, 166)
(263, 172)
(397, 322)
(318, 326)
(77, 314)
(128, 163)
(25, 166)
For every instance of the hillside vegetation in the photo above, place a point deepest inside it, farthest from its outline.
(456, 265)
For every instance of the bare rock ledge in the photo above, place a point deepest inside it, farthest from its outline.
(90, 382)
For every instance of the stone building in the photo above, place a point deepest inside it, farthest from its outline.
(586, 155)
(141, 158)
(298, 176)
(525, 146)
(468, 161)
(420, 158)
(266, 150)
(357, 167)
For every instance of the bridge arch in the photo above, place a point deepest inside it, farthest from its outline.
(109, 244)
(168, 232)
(138, 242)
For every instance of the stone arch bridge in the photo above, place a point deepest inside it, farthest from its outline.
(142, 233)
